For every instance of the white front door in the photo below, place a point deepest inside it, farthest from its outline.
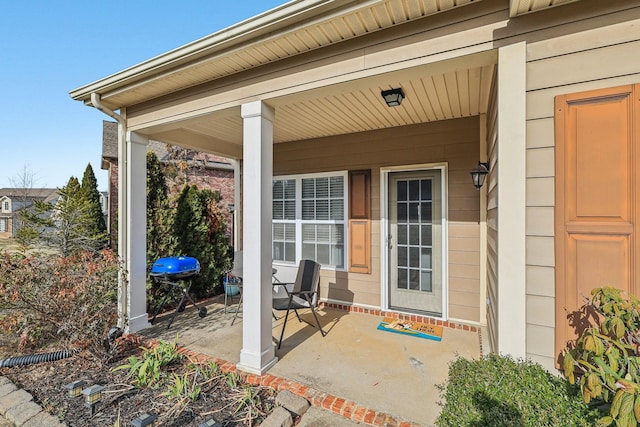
(415, 241)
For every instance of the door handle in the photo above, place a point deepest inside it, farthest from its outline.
(389, 239)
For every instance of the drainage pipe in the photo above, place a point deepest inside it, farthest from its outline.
(36, 358)
(123, 230)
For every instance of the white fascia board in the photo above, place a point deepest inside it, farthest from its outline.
(268, 22)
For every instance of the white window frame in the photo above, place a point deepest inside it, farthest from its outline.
(6, 206)
(299, 221)
(3, 225)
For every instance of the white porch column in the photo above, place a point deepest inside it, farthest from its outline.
(134, 237)
(511, 174)
(258, 351)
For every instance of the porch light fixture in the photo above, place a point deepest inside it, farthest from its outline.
(144, 420)
(92, 396)
(479, 173)
(393, 97)
(75, 388)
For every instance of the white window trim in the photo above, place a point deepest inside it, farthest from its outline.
(298, 221)
(384, 224)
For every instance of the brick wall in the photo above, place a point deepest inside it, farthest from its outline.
(214, 179)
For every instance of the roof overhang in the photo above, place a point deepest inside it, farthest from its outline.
(296, 27)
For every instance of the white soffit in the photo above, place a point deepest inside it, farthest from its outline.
(520, 7)
(297, 27)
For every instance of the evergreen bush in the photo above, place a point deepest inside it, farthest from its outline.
(500, 391)
(200, 232)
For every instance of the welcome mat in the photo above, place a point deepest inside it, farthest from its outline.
(413, 329)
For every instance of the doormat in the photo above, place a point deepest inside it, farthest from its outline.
(413, 329)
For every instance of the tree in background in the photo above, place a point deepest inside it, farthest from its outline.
(67, 226)
(200, 232)
(23, 183)
(160, 222)
(96, 226)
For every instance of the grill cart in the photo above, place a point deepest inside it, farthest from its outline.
(176, 272)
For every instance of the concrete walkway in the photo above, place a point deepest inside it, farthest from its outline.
(356, 371)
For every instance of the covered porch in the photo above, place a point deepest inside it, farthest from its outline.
(295, 99)
(354, 369)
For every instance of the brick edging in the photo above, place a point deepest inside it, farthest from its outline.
(400, 316)
(338, 405)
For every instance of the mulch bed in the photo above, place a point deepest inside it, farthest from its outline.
(121, 401)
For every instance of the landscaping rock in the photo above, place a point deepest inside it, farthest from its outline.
(6, 388)
(280, 417)
(21, 413)
(13, 399)
(297, 405)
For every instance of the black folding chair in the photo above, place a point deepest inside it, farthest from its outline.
(303, 295)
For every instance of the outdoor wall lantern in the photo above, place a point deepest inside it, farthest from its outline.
(144, 420)
(92, 396)
(479, 173)
(393, 97)
(75, 388)
(210, 423)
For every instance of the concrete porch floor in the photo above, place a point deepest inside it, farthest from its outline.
(387, 372)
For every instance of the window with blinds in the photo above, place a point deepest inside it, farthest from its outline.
(284, 216)
(309, 219)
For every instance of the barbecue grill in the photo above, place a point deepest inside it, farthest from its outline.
(176, 273)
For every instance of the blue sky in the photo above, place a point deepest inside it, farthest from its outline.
(49, 47)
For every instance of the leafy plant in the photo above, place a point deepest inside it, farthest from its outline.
(53, 301)
(605, 360)
(185, 386)
(232, 379)
(147, 370)
(500, 391)
(248, 403)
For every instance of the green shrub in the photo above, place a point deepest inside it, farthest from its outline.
(49, 301)
(499, 391)
(605, 360)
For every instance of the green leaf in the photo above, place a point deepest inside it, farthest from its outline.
(616, 403)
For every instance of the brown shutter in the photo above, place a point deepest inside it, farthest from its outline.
(597, 198)
(360, 221)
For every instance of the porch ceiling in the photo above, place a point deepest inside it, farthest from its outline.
(349, 107)
(441, 91)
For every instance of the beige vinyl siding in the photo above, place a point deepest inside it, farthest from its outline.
(591, 59)
(453, 141)
(492, 215)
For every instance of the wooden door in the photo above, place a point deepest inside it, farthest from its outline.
(597, 196)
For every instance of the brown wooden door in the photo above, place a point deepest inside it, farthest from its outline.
(597, 195)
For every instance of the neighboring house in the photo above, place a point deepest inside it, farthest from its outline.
(104, 204)
(545, 92)
(204, 170)
(13, 200)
